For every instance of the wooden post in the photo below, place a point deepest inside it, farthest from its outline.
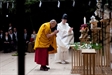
(96, 34)
(76, 61)
(72, 54)
(20, 24)
(88, 66)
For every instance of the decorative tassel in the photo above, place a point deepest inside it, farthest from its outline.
(73, 3)
(40, 4)
(58, 4)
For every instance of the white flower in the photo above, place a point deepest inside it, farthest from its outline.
(96, 44)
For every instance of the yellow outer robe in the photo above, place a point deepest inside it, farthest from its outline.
(42, 41)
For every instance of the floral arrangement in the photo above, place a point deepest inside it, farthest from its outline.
(78, 46)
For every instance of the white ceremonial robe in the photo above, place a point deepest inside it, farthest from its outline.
(64, 39)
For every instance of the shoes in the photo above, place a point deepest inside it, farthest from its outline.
(70, 48)
(44, 68)
(47, 67)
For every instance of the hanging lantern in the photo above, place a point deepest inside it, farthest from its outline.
(58, 4)
(73, 3)
(0, 4)
(40, 4)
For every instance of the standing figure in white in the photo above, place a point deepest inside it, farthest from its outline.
(64, 38)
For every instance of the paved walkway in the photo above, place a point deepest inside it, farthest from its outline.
(8, 66)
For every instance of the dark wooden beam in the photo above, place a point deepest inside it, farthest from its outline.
(20, 11)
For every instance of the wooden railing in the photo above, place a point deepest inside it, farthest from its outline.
(99, 61)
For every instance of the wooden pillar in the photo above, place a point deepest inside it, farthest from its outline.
(111, 42)
(106, 24)
(72, 60)
(96, 34)
(88, 61)
(20, 24)
(76, 61)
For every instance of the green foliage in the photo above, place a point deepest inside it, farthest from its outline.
(76, 45)
(96, 46)
(90, 10)
(12, 10)
(8, 0)
(90, 45)
(28, 4)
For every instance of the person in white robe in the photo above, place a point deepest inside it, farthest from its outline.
(64, 38)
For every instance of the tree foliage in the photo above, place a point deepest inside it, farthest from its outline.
(28, 4)
(11, 9)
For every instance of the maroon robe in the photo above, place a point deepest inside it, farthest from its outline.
(41, 56)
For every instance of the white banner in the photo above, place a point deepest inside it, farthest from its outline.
(7, 4)
(73, 3)
(58, 4)
(0, 4)
(40, 4)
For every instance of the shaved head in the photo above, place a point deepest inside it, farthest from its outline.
(53, 23)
